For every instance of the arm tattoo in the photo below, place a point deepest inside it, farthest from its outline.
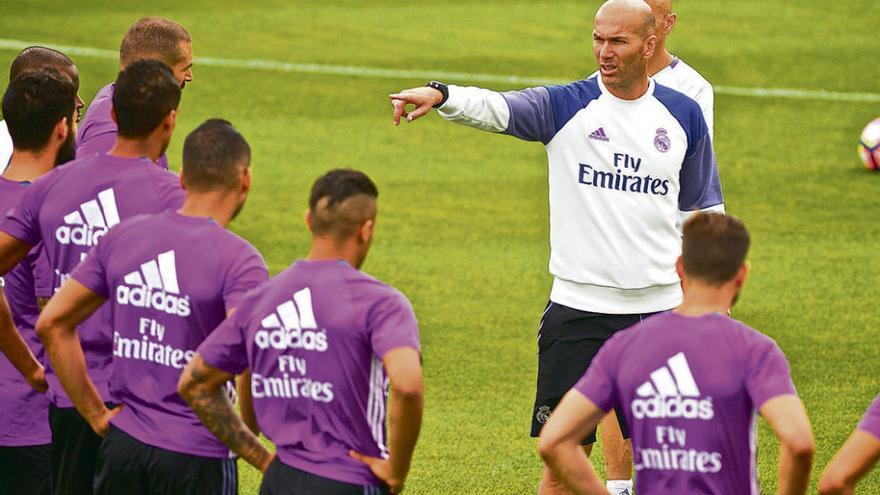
(218, 415)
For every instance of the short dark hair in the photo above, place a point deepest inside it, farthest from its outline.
(153, 37)
(33, 105)
(36, 58)
(714, 247)
(213, 155)
(335, 204)
(144, 94)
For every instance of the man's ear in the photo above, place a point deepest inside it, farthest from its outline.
(307, 217)
(670, 22)
(171, 120)
(246, 178)
(113, 115)
(650, 46)
(679, 268)
(62, 128)
(743, 274)
(182, 182)
(365, 233)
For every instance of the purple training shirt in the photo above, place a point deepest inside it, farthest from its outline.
(690, 397)
(25, 411)
(871, 422)
(314, 338)
(97, 133)
(69, 210)
(170, 280)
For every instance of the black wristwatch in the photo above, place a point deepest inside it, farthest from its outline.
(439, 86)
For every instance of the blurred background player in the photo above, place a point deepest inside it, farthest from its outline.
(40, 111)
(857, 456)
(170, 280)
(69, 210)
(151, 38)
(36, 58)
(691, 394)
(627, 157)
(321, 339)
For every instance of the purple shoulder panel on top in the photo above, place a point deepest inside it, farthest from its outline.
(531, 116)
(699, 179)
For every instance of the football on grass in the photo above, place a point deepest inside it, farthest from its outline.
(869, 145)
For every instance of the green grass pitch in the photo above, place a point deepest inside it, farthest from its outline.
(463, 214)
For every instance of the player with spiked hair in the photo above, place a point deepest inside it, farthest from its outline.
(322, 340)
(691, 396)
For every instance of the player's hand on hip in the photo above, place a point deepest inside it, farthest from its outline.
(381, 468)
(37, 380)
(423, 98)
(101, 422)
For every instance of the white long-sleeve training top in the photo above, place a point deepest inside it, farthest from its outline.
(620, 173)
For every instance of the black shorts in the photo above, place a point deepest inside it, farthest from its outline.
(26, 470)
(568, 340)
(74, 449)
(281, 479)
(127, 466)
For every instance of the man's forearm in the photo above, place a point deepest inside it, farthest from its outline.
(69, 362)
(246, 402)
(13, 345)
(794, 471)
(571, 465)
(405, 411)
(218, 415)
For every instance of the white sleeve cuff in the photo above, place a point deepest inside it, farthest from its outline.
(476, 107)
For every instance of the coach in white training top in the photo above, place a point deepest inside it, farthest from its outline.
(626, 155)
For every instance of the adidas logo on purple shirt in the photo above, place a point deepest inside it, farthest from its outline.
(599, 135)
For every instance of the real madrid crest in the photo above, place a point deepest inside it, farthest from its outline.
(543, 414)
(661, 141)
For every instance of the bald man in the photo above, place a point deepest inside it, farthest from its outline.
(35, 58)
(626, 156)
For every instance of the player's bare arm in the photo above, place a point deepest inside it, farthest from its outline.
(202, 387)
(12, 252)
(857, 456)
(246, 401)
(788, 419)
(404, 369)
(560, 444)
(17, 351)
(56, 328)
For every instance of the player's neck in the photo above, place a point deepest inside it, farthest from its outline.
(324, 248)
(218, 206)
(661, 59)
(631, 91)
(702, 299)
(137, 148)
(27, 166)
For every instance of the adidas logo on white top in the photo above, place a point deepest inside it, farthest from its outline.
(84, 226)
(155, 286)
(599, 135)
(292, 326)
(672, 392)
